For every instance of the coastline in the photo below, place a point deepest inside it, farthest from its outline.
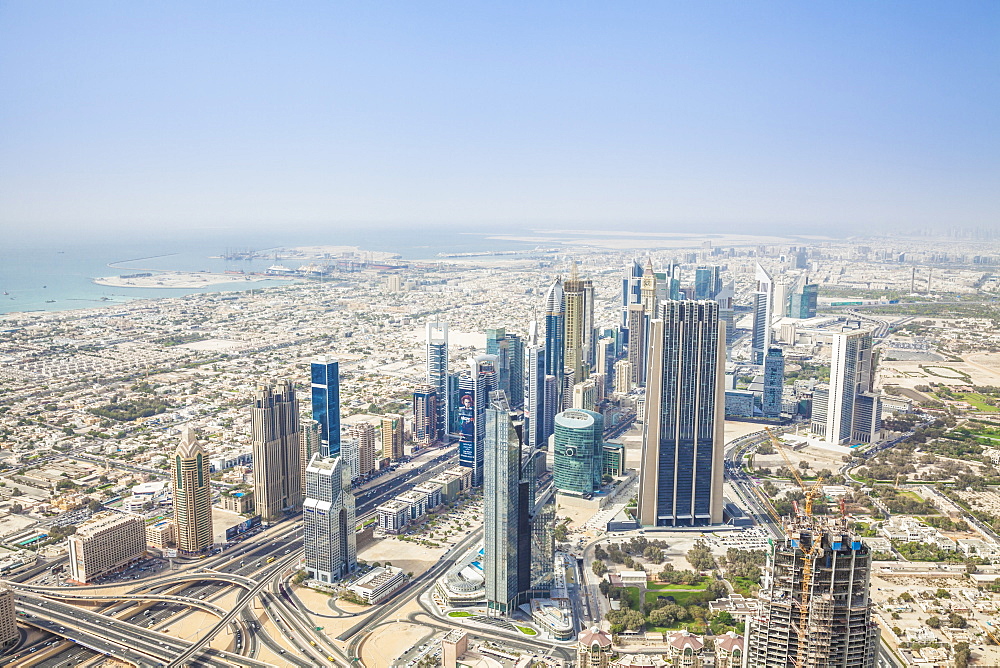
(179, 280)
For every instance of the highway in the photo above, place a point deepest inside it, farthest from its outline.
(742, 484)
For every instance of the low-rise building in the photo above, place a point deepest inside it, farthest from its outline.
(161, 534)
(555, 615)
(104, 543)
(593, 648)
(432, 493)
(685, 649)
(378, 584)
(238, 502)
(464, 474)
(451, 486)
(393, 516)
(729, 649)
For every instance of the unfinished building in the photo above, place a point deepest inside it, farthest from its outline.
(815, 610)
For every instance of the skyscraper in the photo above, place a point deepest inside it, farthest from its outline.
(517, 526)
(680, 481)
(637, 343)
(437, 374)
(550, 406)
(804, 302)
(425, 417)
(364, 443)
(509, 349)
(328, 520)
(474, 388)
(326, 404)
(847, 409)
(707, 282)
(815, 609)
(534, 395)
(648, 291)
(774, 382)
(392, 436)
(578, 457)
(9, 634)
(584, 397)
(605, 360)
(192, 494)
(578, 296)
(555, 332)
(274, 433)
(309, 437)
(631, 291)
(761, 336)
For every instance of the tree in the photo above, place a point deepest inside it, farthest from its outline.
(700, 557)
(962, 655)
(599, 568)
(933, 622)
(957, 621)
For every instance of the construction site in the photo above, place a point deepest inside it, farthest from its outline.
(815, 608)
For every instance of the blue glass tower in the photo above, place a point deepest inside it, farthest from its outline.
(555, 333)
(774, 382)
(680, 482)
(578, 458)
(474, 391)
(326, 405)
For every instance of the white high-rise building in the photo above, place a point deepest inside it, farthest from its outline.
(763, 298)
(847, 410)
(328, 520)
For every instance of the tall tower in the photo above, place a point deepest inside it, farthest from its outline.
(328, 520)
(192, 494)
(814, 605)
(680, 481)
(555, 332)
(577, 461)
(762, 304)
(707, 282)
(774, 382)
(848, 409)
(9, 634)
(534, 395)
(392, 436)
(509, 349)
(631, 290)
(274, 433)
(475, 388)
(326, 404)
(517, 526)
(363, 446)
(578, 295)
(637, 343)
(425, 415)
(437, 373)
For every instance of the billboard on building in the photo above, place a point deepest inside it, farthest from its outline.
(242, 527)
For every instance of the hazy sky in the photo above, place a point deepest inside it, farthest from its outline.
(663, 115)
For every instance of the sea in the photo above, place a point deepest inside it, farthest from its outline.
(56, 273)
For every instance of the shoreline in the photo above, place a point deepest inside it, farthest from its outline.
(183, 280)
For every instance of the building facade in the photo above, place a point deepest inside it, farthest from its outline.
(364, 446)
(328, 520)
(425, 415)
(578, 457)
(762, 316)
(774, 382)
(534, 395)
(192, 495)
(326, 404)
(847, 410)
(680, 481)
(393, 436)
(276, 450)
(105, 543)
(555, 333)
(8, 619)
(475, 387)
(578, 297)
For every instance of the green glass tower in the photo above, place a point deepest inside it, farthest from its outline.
(578, 462)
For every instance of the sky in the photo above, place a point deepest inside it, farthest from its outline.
(842, 116)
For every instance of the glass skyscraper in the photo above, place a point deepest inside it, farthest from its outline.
(509, 349)
(762, 304)
(518, 545)
(474, 390)
(774, 382)
(534, 396)
(555, 332)
(680, 482)
(577, 464)
(326, 404)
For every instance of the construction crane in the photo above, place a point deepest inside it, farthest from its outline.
(808, 554)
